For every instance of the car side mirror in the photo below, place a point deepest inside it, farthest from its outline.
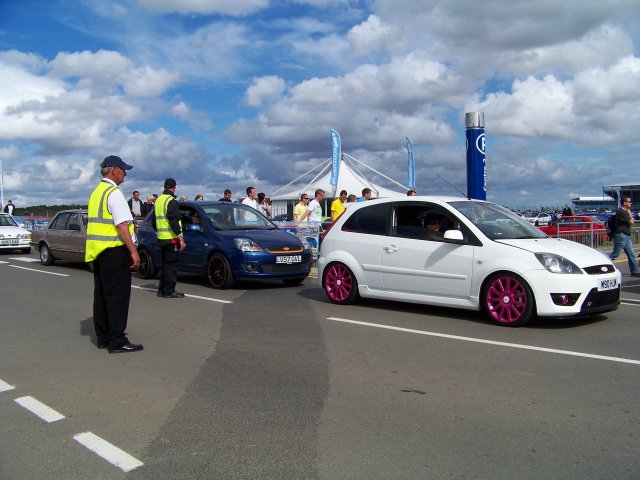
(74, 226)
(453, 236)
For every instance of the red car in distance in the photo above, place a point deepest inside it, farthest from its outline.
(579, 228)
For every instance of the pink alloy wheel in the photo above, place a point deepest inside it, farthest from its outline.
(506, 299)
(338, 282)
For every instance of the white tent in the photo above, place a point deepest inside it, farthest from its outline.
(350, 178)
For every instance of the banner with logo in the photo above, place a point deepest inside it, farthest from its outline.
(411, 168)
(336, 154)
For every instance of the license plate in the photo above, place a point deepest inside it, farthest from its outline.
(607, 284)
(9, 242)
(289, 259)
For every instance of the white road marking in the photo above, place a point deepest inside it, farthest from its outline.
(109, 452)
(186, 295)
(25, 259)
(2, 261)
(39, 271)
(46, 413)
(4, 386)
(489, 342)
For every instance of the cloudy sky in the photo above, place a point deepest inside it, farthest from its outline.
(228, 93)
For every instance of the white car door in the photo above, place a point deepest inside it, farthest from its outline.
(420, 263)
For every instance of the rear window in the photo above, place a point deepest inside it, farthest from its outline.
(372, 220)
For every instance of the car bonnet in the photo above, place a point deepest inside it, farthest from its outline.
(579, 254)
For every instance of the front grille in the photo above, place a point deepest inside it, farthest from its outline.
(600, 269)
(284, 268)
(286, 249)
(600, 301)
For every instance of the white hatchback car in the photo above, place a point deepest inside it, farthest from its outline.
(12, 235)
(466, 254)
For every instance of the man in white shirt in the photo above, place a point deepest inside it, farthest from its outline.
(250, 200)
(314, 209)
(135, 204)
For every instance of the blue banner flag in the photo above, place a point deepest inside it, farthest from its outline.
(336, 154)
(476, 161)
(411, 168)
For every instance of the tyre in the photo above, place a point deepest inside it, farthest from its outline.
(340, 284)
(146, 268)
(26, 250)
(46, 258)
(508, 300)
(219, 272)
(292, 282)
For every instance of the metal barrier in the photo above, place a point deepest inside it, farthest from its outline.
(595, 238)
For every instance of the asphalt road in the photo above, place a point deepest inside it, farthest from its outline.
(274, 382)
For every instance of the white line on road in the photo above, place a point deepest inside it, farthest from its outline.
(39, 271)
(109, 452)
(25, 259)
(46, 413)
(186, 295)
(4, 386)
(489, 342)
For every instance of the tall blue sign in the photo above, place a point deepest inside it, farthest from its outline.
(411, 168)
(336, 153)
(476, 162)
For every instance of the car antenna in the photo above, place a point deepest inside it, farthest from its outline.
(467, 196)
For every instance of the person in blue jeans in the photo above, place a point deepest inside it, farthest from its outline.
(622, 236)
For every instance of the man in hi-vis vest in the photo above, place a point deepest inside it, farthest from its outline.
(170, 239)
(111, 249)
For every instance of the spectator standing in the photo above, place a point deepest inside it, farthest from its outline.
(314, 209)
(9, 208)
(110, 247)
(337, 206)
(170, 239)
(352, 198)
(622, 235)
(411, 193)
(250, 199)
(183, 198)
(138, 209)
(199, 198)
(566, 211)
(366, 195)
(263, 206)
(226, 197)
(300, 208)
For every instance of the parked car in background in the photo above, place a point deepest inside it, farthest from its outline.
(227, 242)
(466, 254)
(540, 218)
(578, 228)
(12, 235)
(63, 239)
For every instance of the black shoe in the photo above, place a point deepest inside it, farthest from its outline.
(159, 293)
(174, 295)
(102, 346)
(129, 347)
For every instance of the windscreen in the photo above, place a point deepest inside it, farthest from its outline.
(497, 222)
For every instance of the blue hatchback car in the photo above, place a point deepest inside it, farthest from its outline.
(228, 242)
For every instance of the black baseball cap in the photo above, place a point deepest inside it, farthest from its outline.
(169, 183)
(115, 161)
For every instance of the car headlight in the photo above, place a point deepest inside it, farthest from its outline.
(557, 264)
(247, 245)
(24, 236)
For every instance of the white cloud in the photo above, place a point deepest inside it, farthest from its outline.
(262, 88)
(370, 36)
(205, 7)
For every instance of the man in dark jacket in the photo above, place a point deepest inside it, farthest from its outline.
(622, 236)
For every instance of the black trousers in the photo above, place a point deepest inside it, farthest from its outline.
(169, 275)
(111, 295)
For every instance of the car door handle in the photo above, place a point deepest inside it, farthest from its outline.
(390, 248)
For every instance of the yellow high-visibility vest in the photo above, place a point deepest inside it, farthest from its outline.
(101, 232)
(164, 230)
